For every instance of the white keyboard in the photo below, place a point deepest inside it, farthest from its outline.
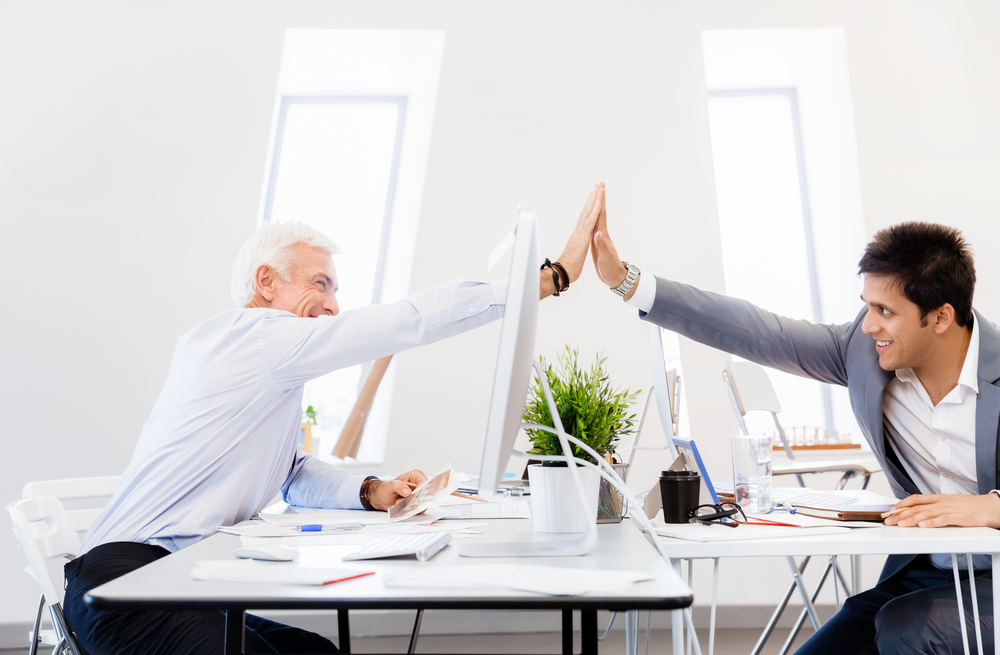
(500, 510)
(424, 546)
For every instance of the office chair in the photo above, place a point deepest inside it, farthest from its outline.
(93, 492)
(45, 532)
(750, 389)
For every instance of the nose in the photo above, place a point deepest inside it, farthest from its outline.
(330, 305)
(870, 324)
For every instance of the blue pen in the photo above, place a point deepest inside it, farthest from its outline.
(318, 527)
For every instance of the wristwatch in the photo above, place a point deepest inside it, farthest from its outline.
(629, 282)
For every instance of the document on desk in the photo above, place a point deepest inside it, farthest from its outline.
(326, 517)
(245, 570)
(708, 533)
(504, 509)
(549, 580)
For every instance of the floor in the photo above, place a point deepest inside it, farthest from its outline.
(728, 642)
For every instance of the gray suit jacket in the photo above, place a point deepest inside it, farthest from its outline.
(835, 354)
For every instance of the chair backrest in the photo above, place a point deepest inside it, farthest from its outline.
(45, 532)
(95, 492)
(753, 388)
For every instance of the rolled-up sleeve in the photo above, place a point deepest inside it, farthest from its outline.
(314, 483)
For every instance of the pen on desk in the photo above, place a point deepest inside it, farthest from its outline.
(319, 527)
(891, 512)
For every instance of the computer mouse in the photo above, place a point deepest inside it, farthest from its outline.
(267, 553)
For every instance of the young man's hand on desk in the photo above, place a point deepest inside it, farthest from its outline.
(384, 495)
(941, 510)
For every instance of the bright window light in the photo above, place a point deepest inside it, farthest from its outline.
(764, 249)
(333, 171)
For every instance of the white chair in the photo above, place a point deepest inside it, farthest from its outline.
(45, 532)
(93, 493)
(750, 390)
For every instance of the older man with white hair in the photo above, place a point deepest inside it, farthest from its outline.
(222, 438)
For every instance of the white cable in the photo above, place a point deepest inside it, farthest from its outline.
(610, 623)
(616, 481)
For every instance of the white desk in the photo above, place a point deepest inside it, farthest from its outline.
(860, 541)
(167, 583)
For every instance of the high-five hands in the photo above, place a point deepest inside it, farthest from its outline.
(606, 260)
(574, 255)
(940, 510)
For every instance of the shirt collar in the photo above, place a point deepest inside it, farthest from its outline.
(969, 377)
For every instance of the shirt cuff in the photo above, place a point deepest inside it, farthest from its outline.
(645, 293)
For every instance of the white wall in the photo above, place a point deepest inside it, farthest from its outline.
(132, 147)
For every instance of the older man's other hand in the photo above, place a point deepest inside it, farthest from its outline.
(388, 493)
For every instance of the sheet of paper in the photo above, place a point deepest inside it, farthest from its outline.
(352, 538)
(813, 522)
(428, 494)
(326, 517)
(707, 533)
(550, 580)
(426, 528)
(246, 570)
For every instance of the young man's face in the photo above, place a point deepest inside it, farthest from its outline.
(902, 338)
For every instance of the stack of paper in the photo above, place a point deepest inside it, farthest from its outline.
(245, 570)
(707, 533)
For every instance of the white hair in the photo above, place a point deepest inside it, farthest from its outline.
(273, 245)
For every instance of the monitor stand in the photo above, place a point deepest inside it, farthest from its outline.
(580, 546)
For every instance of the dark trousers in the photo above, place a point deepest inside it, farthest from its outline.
(914, 611)
(202, 632)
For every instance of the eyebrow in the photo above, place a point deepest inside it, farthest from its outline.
(874, 304)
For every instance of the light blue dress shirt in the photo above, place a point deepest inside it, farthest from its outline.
(222, 439)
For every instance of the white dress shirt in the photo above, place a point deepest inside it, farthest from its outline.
(939, 448)
(222, 439)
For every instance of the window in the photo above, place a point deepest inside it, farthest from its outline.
(352, 124)
(788, 189)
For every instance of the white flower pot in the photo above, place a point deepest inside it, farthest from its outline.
(555, 502)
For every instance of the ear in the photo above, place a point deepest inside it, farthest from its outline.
(943, 318)
(265, 280)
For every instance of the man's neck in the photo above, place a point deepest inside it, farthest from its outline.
(940, 373)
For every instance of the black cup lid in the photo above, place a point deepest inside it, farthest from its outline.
(679, 474)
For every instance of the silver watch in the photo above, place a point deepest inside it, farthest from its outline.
(629, 282)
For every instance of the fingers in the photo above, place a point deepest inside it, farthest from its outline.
(918, 499)
(415, 475)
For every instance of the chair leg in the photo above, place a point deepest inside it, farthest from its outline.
(802, 615)
(35, 637)
(796, 573)
(778, 611)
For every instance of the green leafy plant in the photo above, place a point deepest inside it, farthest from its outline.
(310, 414)
(590, 409)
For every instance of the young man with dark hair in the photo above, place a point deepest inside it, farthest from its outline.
(923, 372)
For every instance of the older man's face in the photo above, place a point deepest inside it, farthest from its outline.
(312, 286)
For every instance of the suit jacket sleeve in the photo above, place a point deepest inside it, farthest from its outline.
(741, 328)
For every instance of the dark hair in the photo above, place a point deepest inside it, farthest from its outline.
(932, 263)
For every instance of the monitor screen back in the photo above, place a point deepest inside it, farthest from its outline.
(516, 352)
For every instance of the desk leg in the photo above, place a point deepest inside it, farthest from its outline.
(567, 632)
(632, 632)
(588, 632)
(995, 557)
(856, 575)
(343, 631)
(236, 623)
(677, 619)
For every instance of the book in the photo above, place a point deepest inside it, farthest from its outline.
(847, 513)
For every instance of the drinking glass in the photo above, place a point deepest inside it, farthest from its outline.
(752, 473)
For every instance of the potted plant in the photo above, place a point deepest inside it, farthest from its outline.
(590, 410)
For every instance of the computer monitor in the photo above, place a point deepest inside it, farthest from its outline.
(514, 357)
(510, 389)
